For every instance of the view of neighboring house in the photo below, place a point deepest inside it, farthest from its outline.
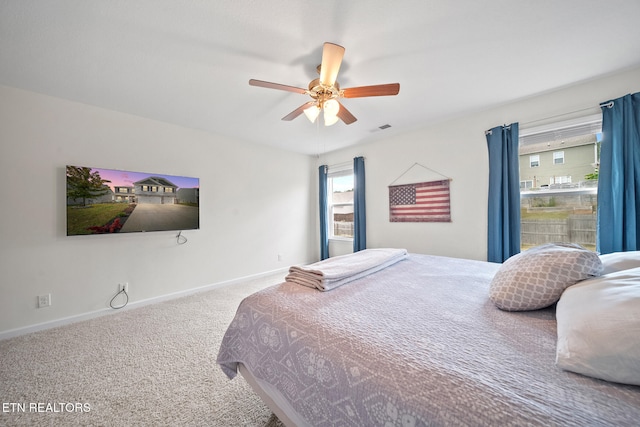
(154, 189)
(557, 167)
(548, 162)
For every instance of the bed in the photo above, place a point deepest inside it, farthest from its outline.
(416, 343)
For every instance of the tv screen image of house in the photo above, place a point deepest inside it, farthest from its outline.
(101, 201)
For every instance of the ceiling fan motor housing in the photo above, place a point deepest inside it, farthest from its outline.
(322, 93)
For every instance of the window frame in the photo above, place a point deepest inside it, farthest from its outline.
(527, 183)
(534, 158)
(557, 157)
(550, 196)
(560, 179)
(331, 205)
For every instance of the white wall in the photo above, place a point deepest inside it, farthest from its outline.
(256, 203)
(458, 149)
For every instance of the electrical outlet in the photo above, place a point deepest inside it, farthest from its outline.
(123, 287)
(44, 300)
(279, 257)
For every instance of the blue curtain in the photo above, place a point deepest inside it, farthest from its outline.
(324, 237)
(504, 193)
(359, 206)
(619, 176)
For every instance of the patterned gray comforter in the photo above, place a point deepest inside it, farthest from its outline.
(418, 343)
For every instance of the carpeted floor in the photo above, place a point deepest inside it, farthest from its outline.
(148, 366)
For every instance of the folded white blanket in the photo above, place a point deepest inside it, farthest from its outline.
(333, 272)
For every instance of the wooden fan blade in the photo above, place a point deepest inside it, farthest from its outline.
(295, 113)
(375, 90)
(269, 85)
(345, 115)
(331, 60)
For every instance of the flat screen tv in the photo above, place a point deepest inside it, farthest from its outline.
(101, 201)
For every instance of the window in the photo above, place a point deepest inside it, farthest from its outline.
(340, 204)
(560, 180)
(168, 189)
(525, 185)
(559, 197)
(558, 158)
(534, 161)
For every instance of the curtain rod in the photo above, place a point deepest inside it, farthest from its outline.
(342, 165)
(526, 124)
(490, 131)
(582, 110)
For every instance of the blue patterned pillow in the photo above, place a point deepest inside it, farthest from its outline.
(536, 278)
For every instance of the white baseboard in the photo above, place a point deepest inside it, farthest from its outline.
(135, 304)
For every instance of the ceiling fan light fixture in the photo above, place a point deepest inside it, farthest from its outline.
(330, 120)
(312, 113)
(331, 108)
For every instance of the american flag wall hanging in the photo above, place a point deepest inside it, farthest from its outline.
(422, 202)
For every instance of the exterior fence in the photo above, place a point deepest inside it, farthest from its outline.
(580, 229)
(343, 229)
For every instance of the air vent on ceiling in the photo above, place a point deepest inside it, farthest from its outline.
(384, 127)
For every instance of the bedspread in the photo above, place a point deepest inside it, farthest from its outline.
(418, 343)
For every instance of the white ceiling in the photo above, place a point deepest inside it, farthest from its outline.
(188, 62)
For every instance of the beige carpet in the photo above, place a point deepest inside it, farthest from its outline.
(148, 366)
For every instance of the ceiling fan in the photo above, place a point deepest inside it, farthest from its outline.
(325, 90)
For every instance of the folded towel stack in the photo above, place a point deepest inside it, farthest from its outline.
(333, 272)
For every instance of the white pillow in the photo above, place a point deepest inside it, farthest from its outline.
(599, 327)
(620, 261)
(535, 278)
